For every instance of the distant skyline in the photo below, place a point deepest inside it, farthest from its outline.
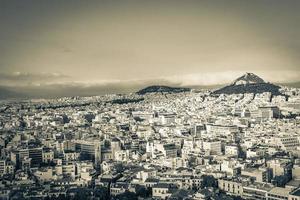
(104, 44)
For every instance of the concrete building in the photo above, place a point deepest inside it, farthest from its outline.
(296, 172)
(287, 142)
(259, 175)
(48, 156)
(231, 150)
(2, 167)
(278, 193)
(280, 167)
(161, 190)
(256, 191)
(170, 150)
(213, 147)
(267, 112)
(167, 118)
(35, 154)
(231, 186)
(89, 150)
(115, 146)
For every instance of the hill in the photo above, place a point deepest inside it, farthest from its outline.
(249, 83)
(164, 89)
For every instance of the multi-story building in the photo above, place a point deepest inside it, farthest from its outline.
(69, 169)
(232, 150)
(296, 172)
(224, 130)
(48, 156)
(162, 190)
(259, 175)
(71, 155)
(256, 191)
(167, 118)
(212, 146)
(280, 167)
(89, 150)
(231, 186)
(2, 167)
(115, 146)
(170, 150)
(287, 142)
(278, 193)
(35, 154)
(266, 112)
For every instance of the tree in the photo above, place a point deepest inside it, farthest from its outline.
(280, 181)
(127, 196)
(142, 191)
(82, 193)
(102, 193)
(192, 161)
(208, 181)
(119, 167)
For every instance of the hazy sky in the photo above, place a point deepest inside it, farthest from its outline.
(187, 42)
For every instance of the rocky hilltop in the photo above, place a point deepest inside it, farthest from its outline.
(249, 83)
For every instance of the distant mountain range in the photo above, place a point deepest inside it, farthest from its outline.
(161, 88)
(249, 83)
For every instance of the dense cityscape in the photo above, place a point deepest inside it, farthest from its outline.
(190, 144)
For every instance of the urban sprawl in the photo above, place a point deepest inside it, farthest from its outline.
(160, 145)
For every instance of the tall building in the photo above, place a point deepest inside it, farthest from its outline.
(198, 129)
(281, 167)
(89, 150)
(170, 150)
(115, 146)
(213, 147)
(2, 167)
(35, 155)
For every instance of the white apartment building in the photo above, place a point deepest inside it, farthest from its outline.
(287, 142)
(213, 147)
(231, 150)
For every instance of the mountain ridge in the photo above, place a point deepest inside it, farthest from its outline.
(249, 83)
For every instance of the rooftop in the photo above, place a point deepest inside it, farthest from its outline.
(280, 191)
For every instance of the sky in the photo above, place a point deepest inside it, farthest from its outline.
(122, 43)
